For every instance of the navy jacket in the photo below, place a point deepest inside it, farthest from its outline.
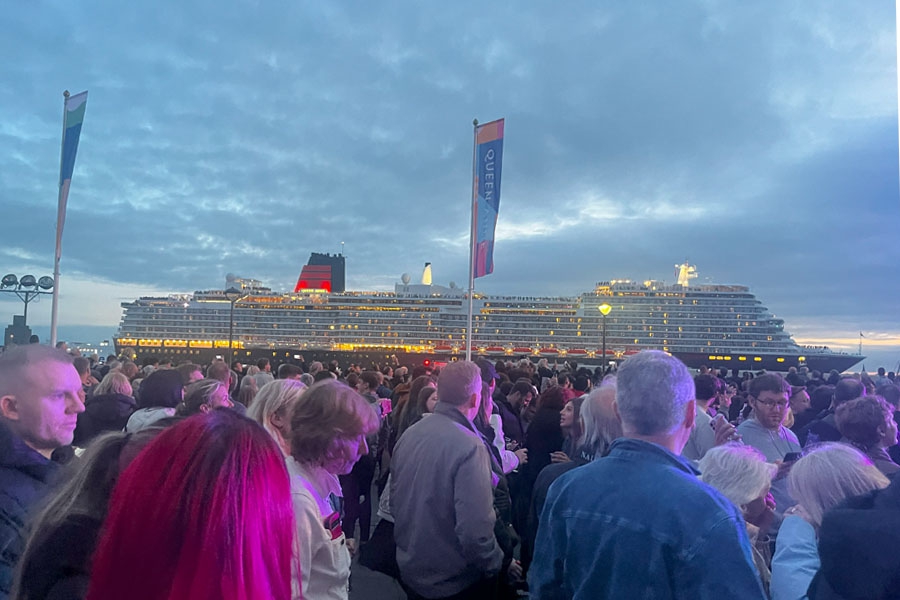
(25, 476)
(640, 524)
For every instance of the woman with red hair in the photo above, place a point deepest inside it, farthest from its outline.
(204, 512)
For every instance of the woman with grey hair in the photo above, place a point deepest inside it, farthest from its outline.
(742, 475)
(272, 409)
(827, 475)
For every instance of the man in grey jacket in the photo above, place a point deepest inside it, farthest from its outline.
(442, 497)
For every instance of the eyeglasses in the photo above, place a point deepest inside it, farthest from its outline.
(772, 403)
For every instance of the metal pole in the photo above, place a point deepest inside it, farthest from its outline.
(231, 335)
(472, 234)
(55, 305)
(605, 362)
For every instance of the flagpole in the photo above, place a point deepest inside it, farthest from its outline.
(472, 237)
(55, 308)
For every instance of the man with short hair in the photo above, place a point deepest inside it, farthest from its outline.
(765, 431)
(639, 523)
(40, 398)
(703, 436)
(367, 384)
(519, 397)
(441, 497)
(218, 370)
(265, 373)
(189, 372)
(289, 371)
(824, 428)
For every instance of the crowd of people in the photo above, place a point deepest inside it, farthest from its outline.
(488, 480)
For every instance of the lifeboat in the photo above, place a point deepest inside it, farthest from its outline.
(443, 348)
(578, 351)
(630, 352)
(495, 349)
(549, 351)
(521, 350)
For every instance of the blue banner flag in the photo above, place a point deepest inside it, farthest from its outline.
(489, 158)
(73, 119)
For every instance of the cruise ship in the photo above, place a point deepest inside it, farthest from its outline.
(721, 326)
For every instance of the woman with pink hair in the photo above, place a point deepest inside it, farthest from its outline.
(204, 512)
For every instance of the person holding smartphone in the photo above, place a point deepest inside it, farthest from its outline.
(764, 430)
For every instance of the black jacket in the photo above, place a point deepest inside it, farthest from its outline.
(857, 543)
(512, 423)
(107, 412)
(59, 565)
(25, 478)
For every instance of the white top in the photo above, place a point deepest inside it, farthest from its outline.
(509, 459)
(324, 562)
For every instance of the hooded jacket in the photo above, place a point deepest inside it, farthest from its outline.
(25, 478)
(856, 547)
(107, 412)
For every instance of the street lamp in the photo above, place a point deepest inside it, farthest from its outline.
(233, 295)
(27, 288)
(604, 310)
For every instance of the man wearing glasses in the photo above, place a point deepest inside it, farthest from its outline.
(769, 398)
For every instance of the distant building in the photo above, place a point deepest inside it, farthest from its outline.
(18, 333)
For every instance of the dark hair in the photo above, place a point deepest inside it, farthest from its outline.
(261, 363)
(161, 388)
(848, 389)
(769, 382)
(890, 393)
(323, 375)
(705, 386)
(523, 387)
(185, 370)
(821, 398)
(581, 383)
(862, 420)
(370, 378)
(407, 412)
(287, 370)
(552, 397)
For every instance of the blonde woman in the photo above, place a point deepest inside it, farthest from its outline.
(826, 476)
(742, 475)
(272, 409)
(107, 409)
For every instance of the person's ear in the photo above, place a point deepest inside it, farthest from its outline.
(9, 408)
(204, 408)
(690, 414)
(615, 407)
(276, 420)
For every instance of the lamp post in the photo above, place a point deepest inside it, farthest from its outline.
(27, 288)
(604, 310)
(233, 295)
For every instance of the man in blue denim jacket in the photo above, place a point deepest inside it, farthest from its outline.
(639, 523)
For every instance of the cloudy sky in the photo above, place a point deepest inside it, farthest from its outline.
(758, 140)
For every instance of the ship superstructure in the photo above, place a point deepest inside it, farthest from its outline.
(717, 325)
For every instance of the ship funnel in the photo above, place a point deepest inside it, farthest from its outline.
(686, 272)
(426, 274)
